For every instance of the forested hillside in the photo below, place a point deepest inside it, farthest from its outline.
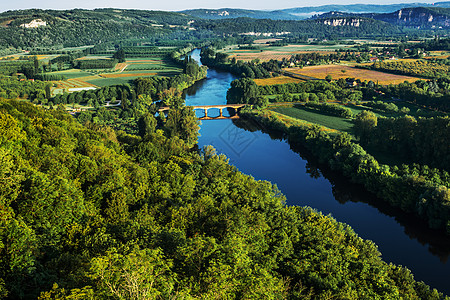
(89, 213)
(84, 27)
(315, 28)
(70, 28)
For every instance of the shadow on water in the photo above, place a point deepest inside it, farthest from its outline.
(344, 191)
(192, 90)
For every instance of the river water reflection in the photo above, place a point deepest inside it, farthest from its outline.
(401, 238)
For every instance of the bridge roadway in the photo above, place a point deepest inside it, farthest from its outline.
(207, 107)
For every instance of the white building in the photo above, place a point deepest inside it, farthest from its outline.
(34, 24)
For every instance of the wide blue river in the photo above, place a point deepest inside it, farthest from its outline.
(401, 238)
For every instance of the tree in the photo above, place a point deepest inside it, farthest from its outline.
(191, 68)
(119, 55)
(364, 123)
(341, 83)
(313, 98)
(261, 102)
(171, 97)
(48, 93)
(146, 124)
(36, 64)
(141, 274)
(183, 122)
(242, 90)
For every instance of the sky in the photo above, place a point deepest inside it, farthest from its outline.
(175, 5)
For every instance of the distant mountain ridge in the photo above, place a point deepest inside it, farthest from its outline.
(410, 17)
(230, 13)
(418, 16)
(306, 12)
(299, 13)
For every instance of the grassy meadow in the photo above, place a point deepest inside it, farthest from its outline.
(313, 116)
(276, 80)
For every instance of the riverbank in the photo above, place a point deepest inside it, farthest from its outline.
(413, 193)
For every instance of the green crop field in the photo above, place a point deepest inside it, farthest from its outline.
(138, 59)
(101, 82)
(154, 66)
(311, 116)
(150, 63)
(111, 81)
(96, 56)
(72, 73)
(165, 72)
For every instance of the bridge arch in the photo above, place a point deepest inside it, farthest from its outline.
(205, 108)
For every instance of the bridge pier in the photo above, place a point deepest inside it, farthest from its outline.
(206, 112)
(221, 112)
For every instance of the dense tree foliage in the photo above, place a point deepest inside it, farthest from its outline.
(12, 87)
(309, 91)
(87, 211)
(421, 68)
(145, 51)
(49, 77)
(435, 44)
(315, 58)
(141, 99)
(331, 109)
(119, 55)
(242, 90)
(96, 63)
(25, 66)
(433, 93)
(243, 69)
(83, 27)
(382, 106)
(422, 140)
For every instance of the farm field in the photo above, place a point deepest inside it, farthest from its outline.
(340, 71)
(276, 80)
(120, 67)
(72, 73)
(438, 54)
(150, 63)
(98, 56)
(144, 66)
(123, 73)
(10, 57)
(312, 116)
(265, 41)
(72, 85)
(265, 52)
(101, 82)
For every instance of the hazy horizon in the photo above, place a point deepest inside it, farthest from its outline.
(177, 5)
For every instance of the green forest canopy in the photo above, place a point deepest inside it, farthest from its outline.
(88, 211)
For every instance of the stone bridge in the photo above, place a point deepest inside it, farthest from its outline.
(205, 108)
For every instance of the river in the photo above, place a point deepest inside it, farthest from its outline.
(401, 238)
